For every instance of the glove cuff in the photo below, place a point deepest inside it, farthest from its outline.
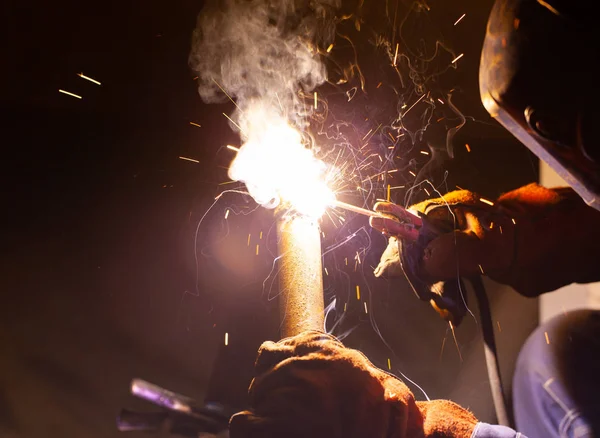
(446, 419)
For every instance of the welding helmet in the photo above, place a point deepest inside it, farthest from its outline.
(538, 77)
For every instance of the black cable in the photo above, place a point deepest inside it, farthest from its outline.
(491, 353)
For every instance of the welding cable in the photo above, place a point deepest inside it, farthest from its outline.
(491, 352)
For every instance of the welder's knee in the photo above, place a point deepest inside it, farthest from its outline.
(557, 382)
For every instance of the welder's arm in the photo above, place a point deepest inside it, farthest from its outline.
(311, 386)
(534, 239)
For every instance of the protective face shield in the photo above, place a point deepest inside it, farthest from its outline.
(539, 78)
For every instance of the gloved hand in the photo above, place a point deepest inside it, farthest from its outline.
(534, 239)
(311, 386)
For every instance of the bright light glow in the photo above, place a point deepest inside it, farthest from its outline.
(277, 167)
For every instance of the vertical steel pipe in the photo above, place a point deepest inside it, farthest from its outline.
(300, 276)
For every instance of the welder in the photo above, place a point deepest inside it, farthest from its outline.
(534, 239)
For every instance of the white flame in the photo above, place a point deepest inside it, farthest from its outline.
(276, 166)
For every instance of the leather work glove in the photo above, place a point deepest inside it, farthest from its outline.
(311, 386)
(534, 239)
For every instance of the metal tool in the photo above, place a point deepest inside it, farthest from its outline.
(401, 221)
(183, 415)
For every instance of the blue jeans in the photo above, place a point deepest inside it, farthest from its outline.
(556, 385)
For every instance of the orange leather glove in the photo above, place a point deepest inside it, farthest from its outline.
(311, 386)
(534, 239)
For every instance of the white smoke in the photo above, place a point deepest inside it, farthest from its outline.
(263, 54)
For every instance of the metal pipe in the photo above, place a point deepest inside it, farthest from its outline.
(300, 276)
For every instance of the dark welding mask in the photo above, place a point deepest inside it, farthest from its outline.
(539, 78)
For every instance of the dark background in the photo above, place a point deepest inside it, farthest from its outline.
(98, 277)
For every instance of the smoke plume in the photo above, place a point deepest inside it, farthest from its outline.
(265, 55)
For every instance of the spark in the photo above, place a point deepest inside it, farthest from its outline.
(228, 96)
(365, 303)
(412, 106)
(229, 118)
(70, 94)
(397, 187)
(547, 338)
(280, 106)
(226, 213)
(257, 246)
(226, 338)
(379, 84)
(441, 101)
(500, 226)
(345, 306)
(389, 187)
(195, 124)
(549, 7)
(249, 239)
(189, 159)
(389, 364)
(468, 147)
(330, 47)
(357, 291)
(233, 148)
(367, 134)
(316, 100)
(485, 201)
(326, 272)
(412, 173)
(426, 191)
(424, 152)
(481, 269)
(460, 18)
(81, 75)
(396, 55)
(457, 58)
(513, 221)
(455, 340)
(499, 328)
(443, 345)
(260, 236)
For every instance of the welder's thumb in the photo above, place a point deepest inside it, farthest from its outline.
(389, 263)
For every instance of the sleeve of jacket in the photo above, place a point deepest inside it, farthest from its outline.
(485, 430)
